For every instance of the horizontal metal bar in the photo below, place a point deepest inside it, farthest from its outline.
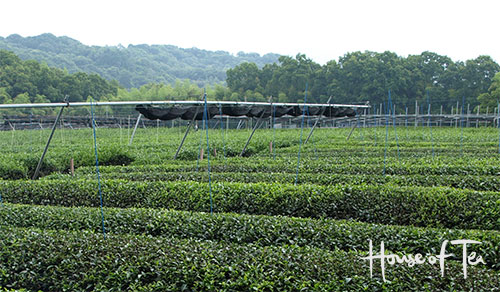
(171, 102)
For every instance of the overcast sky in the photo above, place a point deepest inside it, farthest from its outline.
(323, 30)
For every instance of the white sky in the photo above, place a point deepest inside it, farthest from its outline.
(323, 30)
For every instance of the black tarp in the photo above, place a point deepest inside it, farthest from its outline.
(255, 111)
(235, 110)
(335, 112)
(198, 110)
(164, 114)
(260, 112)
(188, 112)
(314, 110)
(280, 111)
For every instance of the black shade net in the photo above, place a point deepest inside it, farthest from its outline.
(258, 111)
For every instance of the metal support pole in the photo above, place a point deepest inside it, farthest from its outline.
(364, 118)
(380, 115)
(253, 130)
(251, 134)
(416, 113)
(486, 116)
(168, 102)
(352, 130)
(428, 114)
(37, 170)
(186, 133)
(468, 114)
(317, 120)
(441, 116)
(250, 137)
(135, 129)
(406, 119)
(157, 130)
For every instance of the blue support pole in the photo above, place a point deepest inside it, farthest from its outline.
(498, 125)
(31, 131)
(304, 110)
(205, 118)
(394, 124)
(375, 125)
(199, 147)
(462, 127)
(361, 134)
(406, 122)
(429, 123)
(386, 138)
(363, 130)
(274, 132)
(222, 133)
(312, 139)
(97, 167)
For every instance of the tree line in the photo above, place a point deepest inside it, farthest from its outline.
(355, 78)
(368, 76)
(31, 81)
(34, 82)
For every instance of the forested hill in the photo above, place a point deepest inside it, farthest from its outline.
(134, 65)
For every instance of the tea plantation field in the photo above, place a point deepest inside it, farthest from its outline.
(275, 226)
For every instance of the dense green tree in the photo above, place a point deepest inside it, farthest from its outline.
(491, 98)
(289, 78)
(22, 98)
(4, 95)
(477, 76)
(293, 75)
(181, 90)
(368, 76)
(29, 81)
(243, 77)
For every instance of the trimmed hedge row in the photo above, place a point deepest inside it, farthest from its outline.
(479, 183)
(386, 204)
(418, 167)
(12, 170)
(409, 150)
(23, 165)
(83, 261)
(261, 230)
(259, 146)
